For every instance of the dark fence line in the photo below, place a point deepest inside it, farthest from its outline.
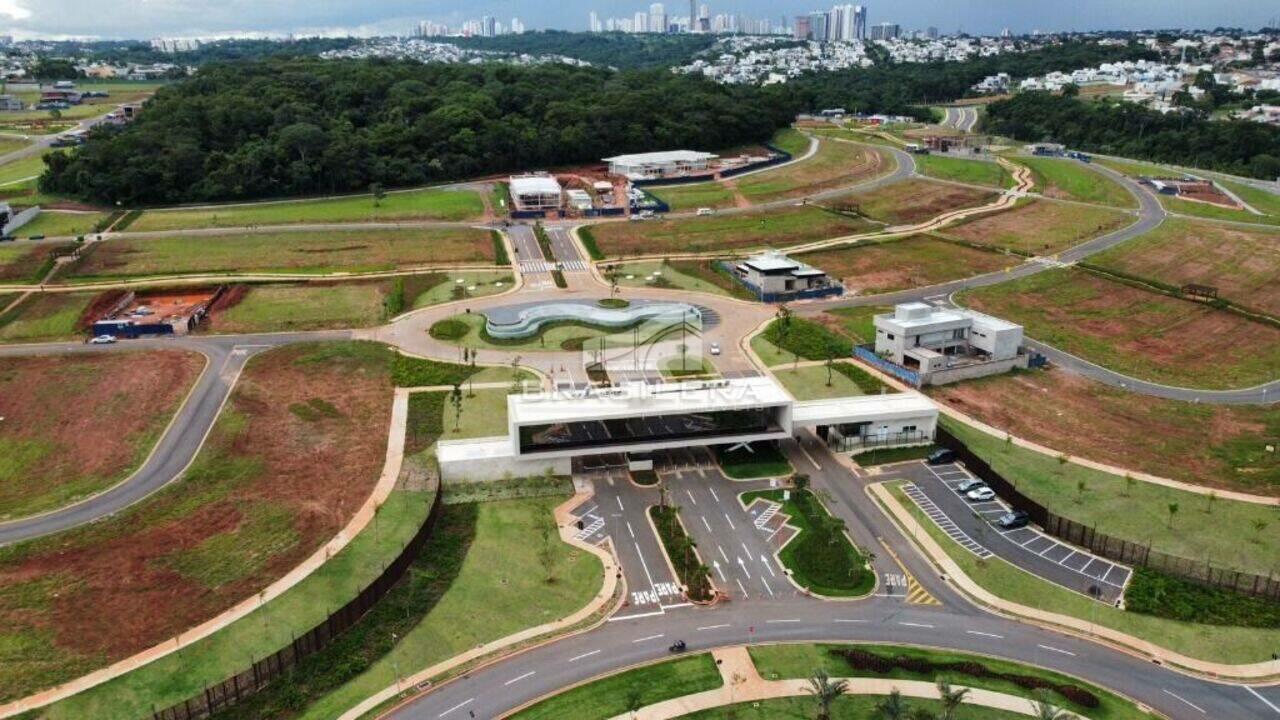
(1113, 548)
(236, 688)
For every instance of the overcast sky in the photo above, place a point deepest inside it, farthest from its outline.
(194, 18)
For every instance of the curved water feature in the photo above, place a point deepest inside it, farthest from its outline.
(526, 320)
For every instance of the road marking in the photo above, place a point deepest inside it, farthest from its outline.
(726, 557)
(810, 457)
(576, 658)
(692, 499)
(919, 625)
(1057, 650)
(726, 517)
(518, 679)
(1264, 700)
(637, 616)
(744, 568)
(713, 494)
(719, 572)
(746, 550)
(461, 705)
(745, 596)
(647, 638)
(787, 620)
(713, 627)
(645, 565)
(844, 620)
(633, 532)
(766, 586)
(1184, 701)
(768, 565)
(704, 522)
(677, 605)
(984, 634)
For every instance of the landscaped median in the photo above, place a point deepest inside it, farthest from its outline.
(1236, 652)
(680, 550)
(820, 557)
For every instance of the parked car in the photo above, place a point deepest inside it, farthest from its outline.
(941, 456)
(1013, 519)
(970, 484)
(981, 494)
(705, 211)
(102, 340)
(715, 348)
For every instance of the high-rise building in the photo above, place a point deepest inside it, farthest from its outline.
(704, 18)
(859, 22)
(931, 32)
(819, 26)
(886, 31)
(517, 27)
(800, 28)
(657, 18)
(593, 21)
(640, 23)
(488, 26)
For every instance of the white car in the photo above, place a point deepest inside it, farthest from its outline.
(981, 494)
(102, 340)
(715, 348)
(705, 211)
(970, 484)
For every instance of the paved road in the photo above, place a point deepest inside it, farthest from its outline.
(790, 617)
(963, 119)
(227, 355)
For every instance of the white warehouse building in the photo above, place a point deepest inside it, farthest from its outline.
(547, 430)
(643, 166)
(535, 192)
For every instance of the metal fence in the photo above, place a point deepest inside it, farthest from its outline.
(867, 354)
(870, 442)
(261, 673)
(1113, 548)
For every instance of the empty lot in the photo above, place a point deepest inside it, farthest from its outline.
(1144, 334)
(915, 201)
(1244, 264)
(1039, 227)
(915, 261)
(836, 164)
(1073, 180)
(352, 251)
(775, 228)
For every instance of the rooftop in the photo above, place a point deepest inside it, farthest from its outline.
(521, 184)
(655, 158)
(861, 408)
(639, 399)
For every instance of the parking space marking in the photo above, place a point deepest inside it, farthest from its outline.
(1265, 701)
(940, 518)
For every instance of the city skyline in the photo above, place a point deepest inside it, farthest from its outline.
(189, 18)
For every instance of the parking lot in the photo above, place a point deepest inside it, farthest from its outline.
(970, 524)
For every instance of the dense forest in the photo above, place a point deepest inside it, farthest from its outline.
(1120, 128)
(294, 127)
(613, 49)
(902, 88)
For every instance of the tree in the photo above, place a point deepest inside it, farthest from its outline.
(783, 317)
(455, 399)
(825, 691)
(635, 701)
(1128, 485)
(1081, 486)
(378, 191)
(800, 481)
(546, 551)
(1046, 711)
(950, 698)
(1258, 527)
(831, 362)
(1173, 510)
(1208, 507)
(892, 707)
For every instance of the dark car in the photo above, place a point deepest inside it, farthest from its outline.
(941, 456)
(1012, 520)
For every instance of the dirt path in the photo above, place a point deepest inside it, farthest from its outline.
(739, 200)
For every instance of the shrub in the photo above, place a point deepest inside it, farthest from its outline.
(1152, 592)
(589, 242)
(418, 372)
(558, 277)
(808, 339)
(499, 249)
(449, 329)
(865, 381)
(680, 550)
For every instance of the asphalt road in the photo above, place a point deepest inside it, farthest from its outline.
(960, 118)
(181, 441)
(790, 617)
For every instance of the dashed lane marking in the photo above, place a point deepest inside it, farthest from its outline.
(647, 638)
(467, 702)
(984, 634)
(1060, 651)
(514, 680)
(576, 658)
(1184, 701)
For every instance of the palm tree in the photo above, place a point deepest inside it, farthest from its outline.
(1045, 710)
(951, 699)
(892, 707)
(826, 692)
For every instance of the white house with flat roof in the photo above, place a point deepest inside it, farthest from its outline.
(948, 344)
(644, 166)
(535, 192)
(546, 430)
(775, 277)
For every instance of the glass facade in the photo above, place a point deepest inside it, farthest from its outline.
(654, 428)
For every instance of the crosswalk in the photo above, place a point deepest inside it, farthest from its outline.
(545, 266)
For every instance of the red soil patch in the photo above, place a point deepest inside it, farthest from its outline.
(118, 592)
(1083, 418)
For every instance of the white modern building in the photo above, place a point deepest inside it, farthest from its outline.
(535, 192)
(643, 166)
(547, 430)
(945, 344)
(775, 277)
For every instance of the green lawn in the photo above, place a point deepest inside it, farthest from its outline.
(848, 707)
(308, 306)
(289, 252)
(1214, 212)
(802, 338)
(21, 169)
(60, 224)
(500, 588)
(723, 232)
(1261, 200)
(484, 415)
(760, 460)
(976, 172)
(411, 205)
(698, 195)
(810, 382)
(474, 284)
(1224, 534)
(917, 200)
(641, 274)
(1074, 180)
(1138, 168)
(834, 165)
(1134, 331)
(628, 690)
(44, 317)
(555, 336)
(777, 662)
(1213, 643)
(858, 321)
(791, 140)
(11, 144)
(688, 368)
(820, 558)
(176, 677)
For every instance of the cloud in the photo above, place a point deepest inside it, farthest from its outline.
(14, 10)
